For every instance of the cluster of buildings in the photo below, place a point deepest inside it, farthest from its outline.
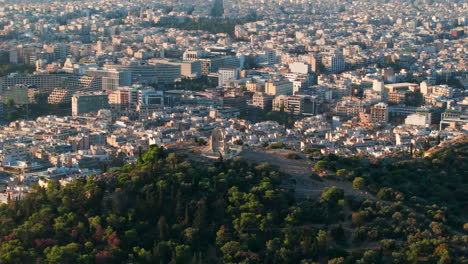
(360, 77)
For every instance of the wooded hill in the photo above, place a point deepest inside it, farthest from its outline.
(166, 210)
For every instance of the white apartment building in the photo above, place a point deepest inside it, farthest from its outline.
(299, 67)
(418, 119)
(227, 74)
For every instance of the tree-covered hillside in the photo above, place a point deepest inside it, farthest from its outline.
(441, 178)
(166, 210)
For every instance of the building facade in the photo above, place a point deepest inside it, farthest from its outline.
(379, 113)
(279, 88)
(89, 103)
(227, 74)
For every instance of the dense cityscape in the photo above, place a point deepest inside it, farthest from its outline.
(90, 89)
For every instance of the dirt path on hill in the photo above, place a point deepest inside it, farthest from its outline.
(300, 172)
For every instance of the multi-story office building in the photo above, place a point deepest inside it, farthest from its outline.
(209, 62)
(296, 104)
(120, 100)
(435, 113)
(418, 119)
(111, 78)
(133, 97)
(397, 97)
(300, 81)
(262, 101)
(157, 73)
(278, 87)
(188, 69)
(13, 56)
(350, 106)
(379, 112)
(401, 87)
(280, 103)
(167, 73)
(315, 61)
(378, 86)
(145, 73)
(253, 86)
(425, 88)
(72, 86)
(271, 57)
(227, 74)
(84, 103)
(230, 61)
(58, 96)
(61, 52)
(458, 120)
(303, 104)
(46, 83)
(212, 65)
(335, 63)
(150, 98)
(206, 64)
(443, 91)
(139, 98)
(234, 101)
(25, 55)
(299, 67)
(193, 55)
